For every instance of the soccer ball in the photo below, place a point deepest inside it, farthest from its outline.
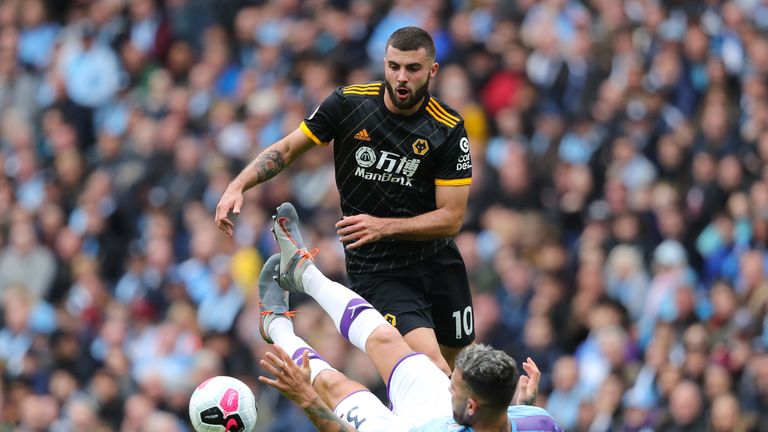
(223, 404)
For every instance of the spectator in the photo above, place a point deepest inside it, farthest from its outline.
(17, 335)
(38, 35)
(540, 342)
(159, 420)
(149, 30)
(607, 402)
(30, 186)
(138, 409)
(755, 387)
(626, 279)
(564, 401)
(686, 409)
(91, 73)
(80, 413)
(26, 262)
(671, 263)
(38, 413)
(219, 308)
(726, 415)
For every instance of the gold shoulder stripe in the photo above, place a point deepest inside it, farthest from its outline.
(346, 89)
(304, 128)
(439, 118)
(372, 89)
(437, 107)
(370, 84)
(453, 182)
(360, 92)
(363, 86)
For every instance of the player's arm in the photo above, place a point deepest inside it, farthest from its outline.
(273, 160)
(266, 165)
(323, 418)
(445, 221)
(317, 129)
(293, 381)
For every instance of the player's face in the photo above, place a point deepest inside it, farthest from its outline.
(460, 400)
(407, 76)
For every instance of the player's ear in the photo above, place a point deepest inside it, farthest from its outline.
(433, 71)
(471, 407)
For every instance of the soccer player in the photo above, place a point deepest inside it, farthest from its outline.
(424, 399)
(403, 171)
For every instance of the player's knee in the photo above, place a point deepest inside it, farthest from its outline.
(384, 336)
(326, 381)
(335, 386)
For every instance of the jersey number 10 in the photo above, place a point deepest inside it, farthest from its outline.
(463, 321)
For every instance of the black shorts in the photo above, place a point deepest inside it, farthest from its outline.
(433, 293)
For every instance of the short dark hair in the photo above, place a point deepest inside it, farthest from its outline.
(411, 39)
(491, 374)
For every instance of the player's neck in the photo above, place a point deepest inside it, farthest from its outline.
(395, 110)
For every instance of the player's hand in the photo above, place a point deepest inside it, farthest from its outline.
(361, 229)
(231, 200)
(528, 386)
(291, 380)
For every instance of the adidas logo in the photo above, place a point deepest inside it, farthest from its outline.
(362, 135)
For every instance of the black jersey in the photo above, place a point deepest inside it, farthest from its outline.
(387, 165)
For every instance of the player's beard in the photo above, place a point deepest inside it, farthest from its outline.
(415, 97)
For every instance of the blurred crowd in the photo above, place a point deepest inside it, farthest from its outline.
(617, 230)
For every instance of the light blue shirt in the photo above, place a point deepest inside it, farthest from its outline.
(92, 77)
(218, 310)
(144, 32)
(36, 44)
(198, 278)
(13, 348)
(523, 418)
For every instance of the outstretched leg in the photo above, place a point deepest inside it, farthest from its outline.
(276, 327)
(303, 375)
(418, 389)
(355, 318)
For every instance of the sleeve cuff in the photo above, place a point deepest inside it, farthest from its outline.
(453, 182)
(304, 128)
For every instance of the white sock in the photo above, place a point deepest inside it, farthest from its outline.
(281, 332)
(354, 317)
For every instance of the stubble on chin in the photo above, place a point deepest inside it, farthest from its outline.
(415, 97)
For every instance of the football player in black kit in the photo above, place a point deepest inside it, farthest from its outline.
(403, 172)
